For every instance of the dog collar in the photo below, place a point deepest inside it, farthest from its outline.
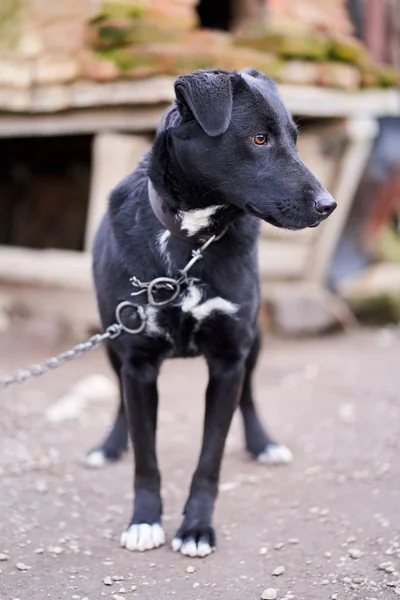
(172, 222)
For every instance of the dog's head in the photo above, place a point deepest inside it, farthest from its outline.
(235, 141)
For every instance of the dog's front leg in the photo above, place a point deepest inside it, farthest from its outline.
(141, 402)
(196, 536)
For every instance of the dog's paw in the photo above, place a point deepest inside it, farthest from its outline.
(143, 537)
(195, 542)
(275, 454)
(100, 457)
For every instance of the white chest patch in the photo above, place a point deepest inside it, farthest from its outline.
(192, 221)
(191, 304)
(162, 240)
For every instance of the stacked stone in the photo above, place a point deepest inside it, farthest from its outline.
(56, 43)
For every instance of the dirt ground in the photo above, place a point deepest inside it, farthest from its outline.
(331, 519)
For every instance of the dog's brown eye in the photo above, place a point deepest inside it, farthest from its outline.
(260, 139)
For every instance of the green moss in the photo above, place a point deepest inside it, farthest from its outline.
(128, 59)
(388, 77)
(349, 50)
(311, 47)
(111, 36)
(111, 10)
(389, 246)
(10, 13)
(379, 310)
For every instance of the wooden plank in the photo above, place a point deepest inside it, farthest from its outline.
(279, 260)
(72, 270)
(57, 268)
(74, 122)
(138, 105)
(361, 132)
(114, 156)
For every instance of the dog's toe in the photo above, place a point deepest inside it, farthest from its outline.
(191, 548)
(275, 454)
(138, 538)
(100, 457)
(96, 459)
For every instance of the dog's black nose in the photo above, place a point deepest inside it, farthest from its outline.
(325, 204)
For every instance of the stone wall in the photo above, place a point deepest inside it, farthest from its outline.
(58, 42)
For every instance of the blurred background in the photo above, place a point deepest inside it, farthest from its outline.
(83, 84)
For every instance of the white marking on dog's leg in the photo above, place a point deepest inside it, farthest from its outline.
(176, 544)
(275, 454)
(95, 459)
(204, 549)
(192, 221)
(192, 298)
(162, 239)
(138, 538)
(202, 311)
(189, 548)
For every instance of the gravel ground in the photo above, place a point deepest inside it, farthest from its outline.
(326, 526)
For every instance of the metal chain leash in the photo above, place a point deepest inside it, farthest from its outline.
(173, 286)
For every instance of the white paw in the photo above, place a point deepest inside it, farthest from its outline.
(143, 537)
(191, 548)
(275, 454)
(95, 459)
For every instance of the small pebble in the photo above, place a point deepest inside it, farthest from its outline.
(269, 594)
(190, 569)
(355, 553)
(117, 597)
(56, 550)
(133, 588)
(107, 580)
(122, 590)
(293, 541)
(334, 597)
(117, 577)
(3, 557)
(22, 566)
(347, 580)
(279, 546)
(328, 554)
(263, 550)
(196, 585)
(39, 550)
(278, 571)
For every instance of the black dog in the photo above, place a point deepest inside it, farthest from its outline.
(224, 157)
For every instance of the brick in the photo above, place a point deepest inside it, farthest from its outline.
(88, 93)
(16, 73)
(15, 100)
(53, 68)
(340, 75)
(305, 310)
(51, 98)
(299, 72)
(94, 67)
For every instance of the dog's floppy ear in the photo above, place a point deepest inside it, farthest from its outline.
(208, 95)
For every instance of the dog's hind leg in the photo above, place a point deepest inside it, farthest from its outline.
(116, 442)
(258, 442)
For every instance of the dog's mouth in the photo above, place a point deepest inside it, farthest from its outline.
(269, 219)
(272, 221)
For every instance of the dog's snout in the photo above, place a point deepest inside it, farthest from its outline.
(325, 204)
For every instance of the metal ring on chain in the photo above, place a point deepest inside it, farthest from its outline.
(139, 313)
(165, 282)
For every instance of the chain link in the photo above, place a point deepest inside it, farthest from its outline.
(113, 331)
(54, 362)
